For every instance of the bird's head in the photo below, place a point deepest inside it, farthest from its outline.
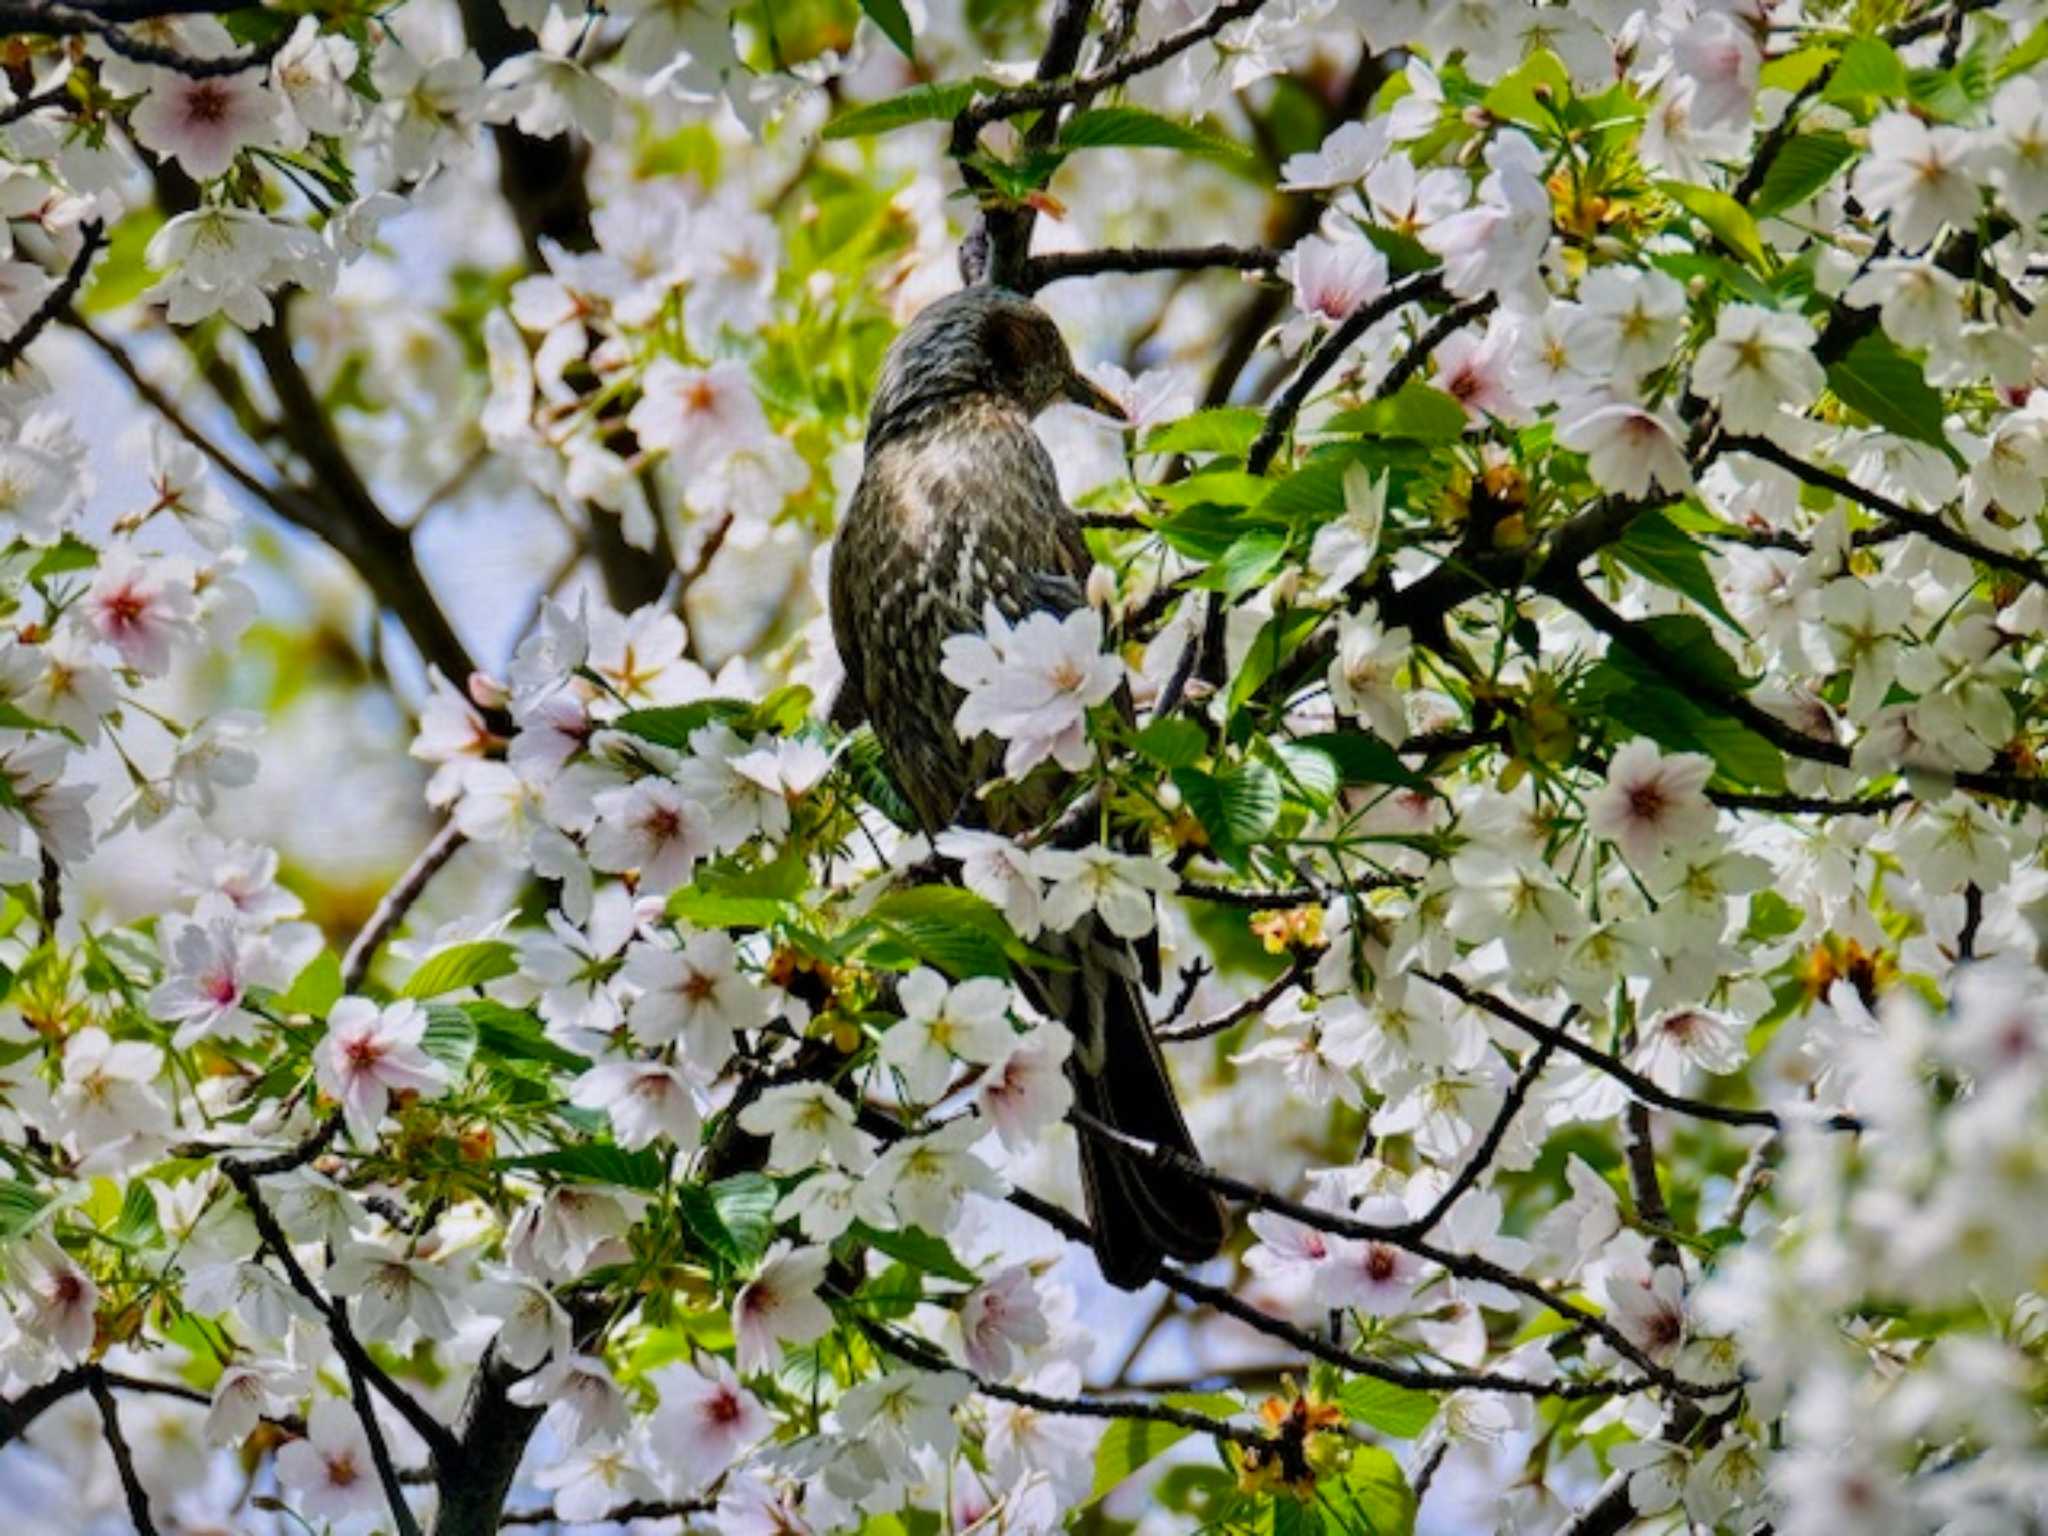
(980, 341)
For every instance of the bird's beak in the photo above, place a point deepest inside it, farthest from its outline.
(1092, 396)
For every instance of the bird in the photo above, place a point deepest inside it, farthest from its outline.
(958, 508)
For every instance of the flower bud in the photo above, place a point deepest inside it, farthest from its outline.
(486, 692)
(1101, 586)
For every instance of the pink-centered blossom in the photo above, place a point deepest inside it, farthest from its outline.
(203, 123)
(707, 1419)
(369, 1054)
(330, 1474)
(779, 1306)
(1652, 804)
(135, 607)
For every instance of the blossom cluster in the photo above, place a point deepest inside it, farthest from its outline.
(1565, 718)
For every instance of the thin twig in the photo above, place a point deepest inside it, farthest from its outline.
(1231, 1305)
(1058, 266)
(124, 1460)
(1251, 1007)
(57, 300)
(1040, 94)
(398, 901)
(1464, 1265)
(441, 1444)
(1644, 1088)
(639, 1509)
(1930, 527)
(1326, 355)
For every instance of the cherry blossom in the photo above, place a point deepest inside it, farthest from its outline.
(368, 1054)
(204, 122)
(1628, 449)
(942, 1025)
(1032, 685)
(1652, 804)
(780, 1306)
(706, 1422)
(1919, 175)
(696, 994)
(329, 1473)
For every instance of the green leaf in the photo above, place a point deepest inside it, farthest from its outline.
(315, 989)
(1880, 381)
(595, 1162)
(1364, 759)
(1205, 531)
(783, 878)
(512, 1034)
(894, 21)
(1218, 487)
(1312, 775)
(1532, 93)
(1729, 221)
(1415, 411)
(952, 929)
(920, 104)
(734, 1217)
(1794, 71)
(894, 1293)
(865, 766)
(68, 554)
(450, 1038)
(20, 1204)
(1313, 493)
(123, 274)
(1805, 164)
(14, 718)
(1278, 638)
(746, 1204)
(461, 966)
(672, 725)
(708, 909)
(137, 1222)
(1393, 1410)
(1236, 807)
(1654, 546)
(1771, 917)
(917, 1248)
(1132, 1443)
(1634, 694)
(1249, 560)
(2023, 58)
(1225, 429)
(1172, 743)
(1138, 128)
(783, 712)
(1869, 67)
(1373, 1495)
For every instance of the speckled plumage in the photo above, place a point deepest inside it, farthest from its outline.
(958, 506)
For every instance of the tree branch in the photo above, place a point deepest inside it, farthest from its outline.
(396, 902)
(1060, 265)
(1464, 1265)
(124, 1462)
(56, 301)
(1050, 90)
(1231, 1305)
(1930, 527)
(441, 1443)
(1644, 1088)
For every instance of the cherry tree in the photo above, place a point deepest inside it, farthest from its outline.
(1575, 565)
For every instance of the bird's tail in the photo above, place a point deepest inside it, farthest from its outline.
(1141, 1213)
